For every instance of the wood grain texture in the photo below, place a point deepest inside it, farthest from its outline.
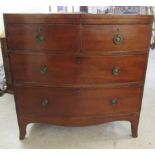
(78, 102)
(100, 37)
(64, 37)
(77, 70)
(56, 37)
(71, 67)
(78, 18)
(24, 120)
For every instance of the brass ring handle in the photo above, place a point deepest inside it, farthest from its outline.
(45, 103)
(116, 71)
(43, 70)
(114, 101)
(117, 39)
(40, 38)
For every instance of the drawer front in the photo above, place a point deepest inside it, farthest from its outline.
(38, 37)
(116, 37)
(78, 102)
(77, 70)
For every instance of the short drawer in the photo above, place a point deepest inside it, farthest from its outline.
(54, 69)
(78, 101)
(43, 36)
(116, 37)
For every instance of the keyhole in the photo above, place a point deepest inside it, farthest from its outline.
(40, 30)
(117, 29)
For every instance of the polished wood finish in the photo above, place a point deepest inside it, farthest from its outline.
(56, 37)
(78, 69)
(77, 19)
(78, 102)
(66, 37)
(102, 36)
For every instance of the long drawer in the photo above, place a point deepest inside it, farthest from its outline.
(78, 102)
(116, 37)
(58, 37)
(56, 69)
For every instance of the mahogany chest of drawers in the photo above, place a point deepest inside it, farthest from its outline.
(78, 69)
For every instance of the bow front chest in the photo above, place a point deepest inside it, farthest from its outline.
(78, 69)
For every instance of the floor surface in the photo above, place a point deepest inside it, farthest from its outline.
(108, 135)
